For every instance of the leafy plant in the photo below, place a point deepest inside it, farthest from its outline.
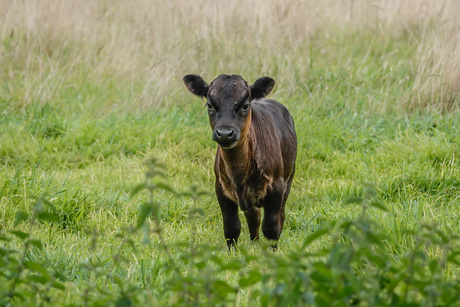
(355, 267)
(25, 277)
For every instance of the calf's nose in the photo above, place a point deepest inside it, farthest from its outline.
(225, 133)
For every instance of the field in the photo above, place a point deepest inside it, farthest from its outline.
(106, 160)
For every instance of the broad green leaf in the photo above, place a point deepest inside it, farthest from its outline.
(3, 251)
(231, 266)
(454, 258)
(20, 234)
(434, 266)
(18, 295)
(21, 216)
(137, 189)
(154, 173)
(373, 238)
(378, 205)
(314, 236)
(200, 265)
(36, 267)
(222, 287)
(165, 187)
(145, 210)
(4, 238)
(59, 275)
(216, 259)
(321, 273)
(354, 200)
(37, 278)
(378, 260)
(45, 216)
(58, 285)
(36, 243)
(254, 276)
(118, 280)
(123, 302)
(131, 243)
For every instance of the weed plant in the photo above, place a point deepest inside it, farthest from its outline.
(352, 268)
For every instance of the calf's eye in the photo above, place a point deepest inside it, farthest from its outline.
(210, 107)
(245, 107)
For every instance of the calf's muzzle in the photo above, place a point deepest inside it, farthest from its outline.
(226, 137)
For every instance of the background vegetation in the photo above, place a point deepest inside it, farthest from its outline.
(90, 91)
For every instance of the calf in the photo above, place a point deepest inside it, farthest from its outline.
(256, 152)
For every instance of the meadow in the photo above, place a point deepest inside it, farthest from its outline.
(106, 160)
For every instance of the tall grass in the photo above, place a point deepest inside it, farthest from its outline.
(89, 90)
(52, 47)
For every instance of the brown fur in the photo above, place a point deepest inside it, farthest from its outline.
(240, 170)
(255, 160)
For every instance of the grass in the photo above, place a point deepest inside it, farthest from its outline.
(89, 93)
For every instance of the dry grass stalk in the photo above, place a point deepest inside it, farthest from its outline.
(156, 42)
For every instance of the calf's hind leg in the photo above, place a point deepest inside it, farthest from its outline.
(253, 219)
(273, 214)
(285, 196)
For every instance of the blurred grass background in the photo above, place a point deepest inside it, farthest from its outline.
(90, 90)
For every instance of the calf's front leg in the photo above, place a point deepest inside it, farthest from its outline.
(232, 224)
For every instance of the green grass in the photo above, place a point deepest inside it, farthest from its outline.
(75, 136)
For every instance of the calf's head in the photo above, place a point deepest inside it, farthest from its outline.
(229, 104)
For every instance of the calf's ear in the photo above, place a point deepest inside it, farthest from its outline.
(196, 85)
(262, 87)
